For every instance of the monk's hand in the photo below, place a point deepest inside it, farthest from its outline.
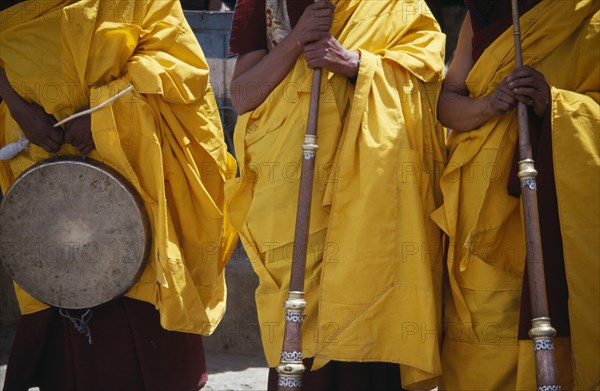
(530, 87)
(328, 53)
(78, 132)
(314, 23)
(501, 100)
(37, 125)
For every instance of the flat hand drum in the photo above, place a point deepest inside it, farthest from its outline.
(73, 233)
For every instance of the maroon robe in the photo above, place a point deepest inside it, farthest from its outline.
(129, 351)
(249, 27)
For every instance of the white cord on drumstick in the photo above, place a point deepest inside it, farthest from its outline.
(101, 105)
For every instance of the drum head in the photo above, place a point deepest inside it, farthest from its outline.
(73, 233)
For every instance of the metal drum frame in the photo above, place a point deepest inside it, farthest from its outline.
(74, 233)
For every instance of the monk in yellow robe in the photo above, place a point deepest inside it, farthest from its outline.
(486, 306)
(373, 271)
(165, 137)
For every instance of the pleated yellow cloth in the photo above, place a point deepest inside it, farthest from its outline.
(487, 251)
(374, 267)
(165, 137)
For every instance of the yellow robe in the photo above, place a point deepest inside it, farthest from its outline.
(374, 266)
(486, 254)
(165, 137)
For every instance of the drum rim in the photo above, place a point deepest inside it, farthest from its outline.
(121, 181)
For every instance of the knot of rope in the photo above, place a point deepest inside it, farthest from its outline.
(81, 323)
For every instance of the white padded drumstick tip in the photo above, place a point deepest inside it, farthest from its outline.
(11, 150)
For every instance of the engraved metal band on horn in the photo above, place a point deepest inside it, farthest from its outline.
(548, 388)
(293, 317)
(527, 174)
(310, 146)
(289, 382)
(291, 356)
(543, 344)
(291, 369)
